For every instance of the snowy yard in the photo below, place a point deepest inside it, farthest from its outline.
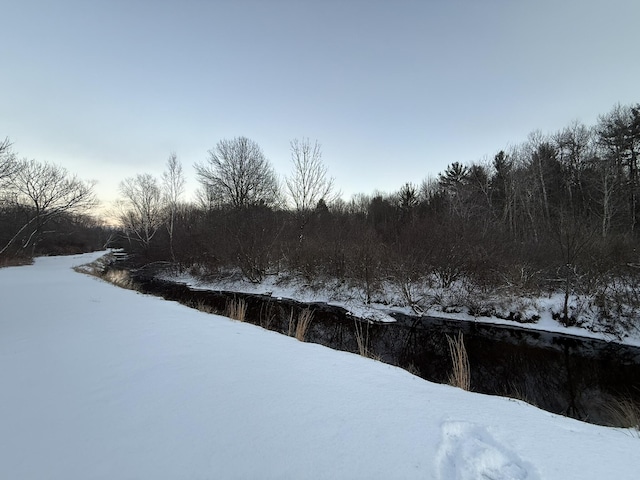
(101, 382)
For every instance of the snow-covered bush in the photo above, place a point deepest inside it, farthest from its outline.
(617, 304)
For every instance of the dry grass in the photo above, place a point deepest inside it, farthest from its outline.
(236, 309)
(362, 338)
(519, 393)
(625, 413)
(460, 376)
(292, 325)
(412, 369)
(202, 306)
(120, 278)
(12, 261)
(267, 317)
(304, 320)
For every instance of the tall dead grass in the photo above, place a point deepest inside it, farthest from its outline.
(520, 393)
(203, 306)
(120, 278)
(236, 309)
(625, 413)
(267, 317)
(461, 374)
(363, 340)
(304, 320)
(292, 324)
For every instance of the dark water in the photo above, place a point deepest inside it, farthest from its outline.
(572, 376)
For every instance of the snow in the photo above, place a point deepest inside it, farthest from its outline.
(388, 301)
(332, 293)
(100, 382)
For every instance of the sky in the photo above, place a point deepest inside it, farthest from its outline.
(394, 91)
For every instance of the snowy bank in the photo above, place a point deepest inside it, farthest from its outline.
(451, 302)
(101, 382)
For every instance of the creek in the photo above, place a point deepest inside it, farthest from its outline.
(569, 375)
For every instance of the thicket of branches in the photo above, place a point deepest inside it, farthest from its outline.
(43, 209)
(555, 213)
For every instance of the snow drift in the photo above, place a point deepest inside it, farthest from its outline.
(101, 382)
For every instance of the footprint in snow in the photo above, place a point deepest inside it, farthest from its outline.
(469, 452)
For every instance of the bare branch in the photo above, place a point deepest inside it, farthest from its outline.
(48, 191)
(238, 172)
(173, 180)
(308, 183)
(173, 185)
(8, 163)
(142, 211)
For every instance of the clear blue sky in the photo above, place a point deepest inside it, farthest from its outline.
(393, 90)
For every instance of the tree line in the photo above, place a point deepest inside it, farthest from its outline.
(557, 212)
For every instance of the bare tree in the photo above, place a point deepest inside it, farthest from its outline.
(619, 133)
(428, 189)
(575, 145)
(239, 173)
(540, 154)
(8, 166)
(173, 188)
(308, 183)
(359, 203)
(503, 195)
(574, 236)
(207, 198)
(7, 159)
(605, 189)
(142, 210)
(47, 191)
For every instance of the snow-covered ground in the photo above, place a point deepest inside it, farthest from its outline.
(444, 302)
(101, 382)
